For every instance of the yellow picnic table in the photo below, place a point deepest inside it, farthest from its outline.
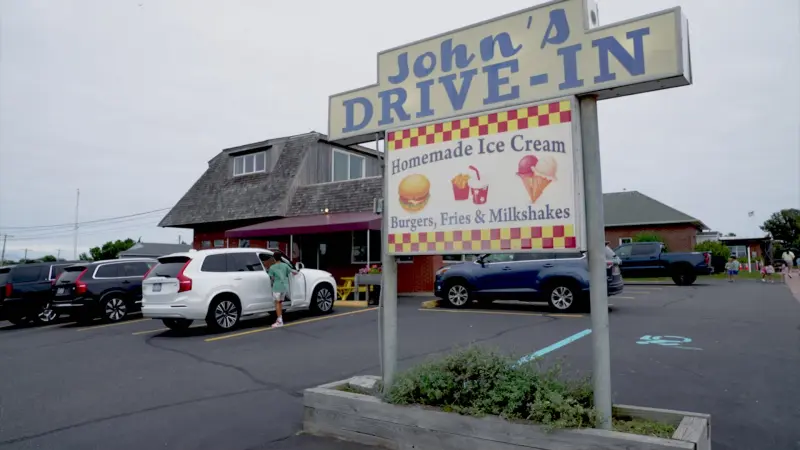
(348, 287)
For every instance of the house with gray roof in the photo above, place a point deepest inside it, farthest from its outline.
(153, 250)
(631, 212)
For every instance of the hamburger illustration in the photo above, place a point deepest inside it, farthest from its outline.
(414, 192)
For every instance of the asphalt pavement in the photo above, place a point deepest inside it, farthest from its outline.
(136, 385)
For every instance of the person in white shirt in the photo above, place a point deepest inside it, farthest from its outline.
(788, 258)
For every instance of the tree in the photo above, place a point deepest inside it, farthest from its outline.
(645, 236)
(49, 258)
(111, 249)
(716, 248)
(84, 257)
(784, 226)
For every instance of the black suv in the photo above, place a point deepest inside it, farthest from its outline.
(25, 291)
(107, 289)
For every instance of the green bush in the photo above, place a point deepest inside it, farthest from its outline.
(478, 382)
(715, 247)
(645, 236)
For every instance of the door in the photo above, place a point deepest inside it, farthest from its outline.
(624, 254)
(252, 280)
(298, 290)
(492, 276)
(133, 273)
(526, 271)
(645, 259)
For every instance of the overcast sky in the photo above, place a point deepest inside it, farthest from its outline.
(128, 100)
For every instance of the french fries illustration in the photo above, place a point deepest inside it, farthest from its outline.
(461, 186)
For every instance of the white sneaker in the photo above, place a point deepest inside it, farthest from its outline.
(278, 323)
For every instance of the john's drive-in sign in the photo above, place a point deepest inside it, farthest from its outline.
(550, 51)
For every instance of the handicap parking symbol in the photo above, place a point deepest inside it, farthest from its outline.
(667, 341)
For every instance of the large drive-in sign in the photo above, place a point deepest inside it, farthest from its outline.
(543, 53)
(498, 182)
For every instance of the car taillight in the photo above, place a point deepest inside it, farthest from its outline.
(80, 286)
(184, 282)
(707, 258)
(9, 289)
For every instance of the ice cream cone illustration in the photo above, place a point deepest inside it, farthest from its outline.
(536, 174)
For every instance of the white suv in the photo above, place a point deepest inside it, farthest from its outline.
(223, 286)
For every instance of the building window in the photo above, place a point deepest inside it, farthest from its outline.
(244, 243)
(625, 240)
(358, 253)
(250, 163)
(205, 244)
(219, 243)
(739, 251)
(346, 166)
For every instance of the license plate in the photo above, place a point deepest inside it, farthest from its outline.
(157, 287)
(61, 291)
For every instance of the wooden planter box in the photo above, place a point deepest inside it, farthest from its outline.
(368, 420)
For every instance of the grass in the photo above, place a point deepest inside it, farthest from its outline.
(644, 427)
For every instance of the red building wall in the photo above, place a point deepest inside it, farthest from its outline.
(679, 238)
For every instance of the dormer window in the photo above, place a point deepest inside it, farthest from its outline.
(249, 163)
(347, 166)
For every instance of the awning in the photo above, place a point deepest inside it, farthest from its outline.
(323, 223)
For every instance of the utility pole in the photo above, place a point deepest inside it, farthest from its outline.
(3, 253)
(179, 239)
(75, 238)
(25, 259)
(58, 254)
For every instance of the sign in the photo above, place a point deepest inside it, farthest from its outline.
(549, 51)
(667, 341)
(504, 181)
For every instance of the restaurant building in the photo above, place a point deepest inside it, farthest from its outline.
(314, 200)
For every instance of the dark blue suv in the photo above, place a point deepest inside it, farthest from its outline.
(561, 279)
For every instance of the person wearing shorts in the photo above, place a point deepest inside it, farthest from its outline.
(733, 268)
(280, 273)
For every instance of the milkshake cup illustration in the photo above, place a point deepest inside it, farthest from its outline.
(460, 187)
(536, 174)
(478, 189)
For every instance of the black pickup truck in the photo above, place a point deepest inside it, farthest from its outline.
(650, 260)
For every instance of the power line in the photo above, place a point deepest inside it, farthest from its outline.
(91, 228)
(92, 233)
(72, 224)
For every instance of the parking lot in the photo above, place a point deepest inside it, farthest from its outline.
(731, 350)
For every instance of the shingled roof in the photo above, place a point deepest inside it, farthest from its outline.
(218, 197)
(631, 208)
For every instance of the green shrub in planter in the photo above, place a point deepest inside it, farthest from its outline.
(479, 382)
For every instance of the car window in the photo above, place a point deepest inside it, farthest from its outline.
(57, 270)
(645, 249)
(244, 262)
(215, 263)
(4, 275)
(71, 274)
(107, 271)
(22, 274)
(499, 257)
(533, 256)
(134, 269)
(624, 251)
(169, 267)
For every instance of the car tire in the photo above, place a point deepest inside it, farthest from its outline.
(46, 315)
(114, 308)
(563, 297)
(17, 319)
(322, 299)
(684, 278)
(457, 295)
(177, 324)
(223, 313)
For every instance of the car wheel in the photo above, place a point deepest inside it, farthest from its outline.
(563, 297)
(17, 320)
(457, 295)
(177, 324)
(114, 308)
(223, 314)
(46, 315)
(684, 278)
(322, 299)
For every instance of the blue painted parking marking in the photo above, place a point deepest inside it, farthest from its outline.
(667, 341)
(553, 347)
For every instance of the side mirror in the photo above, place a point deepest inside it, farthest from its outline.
(299, 266)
